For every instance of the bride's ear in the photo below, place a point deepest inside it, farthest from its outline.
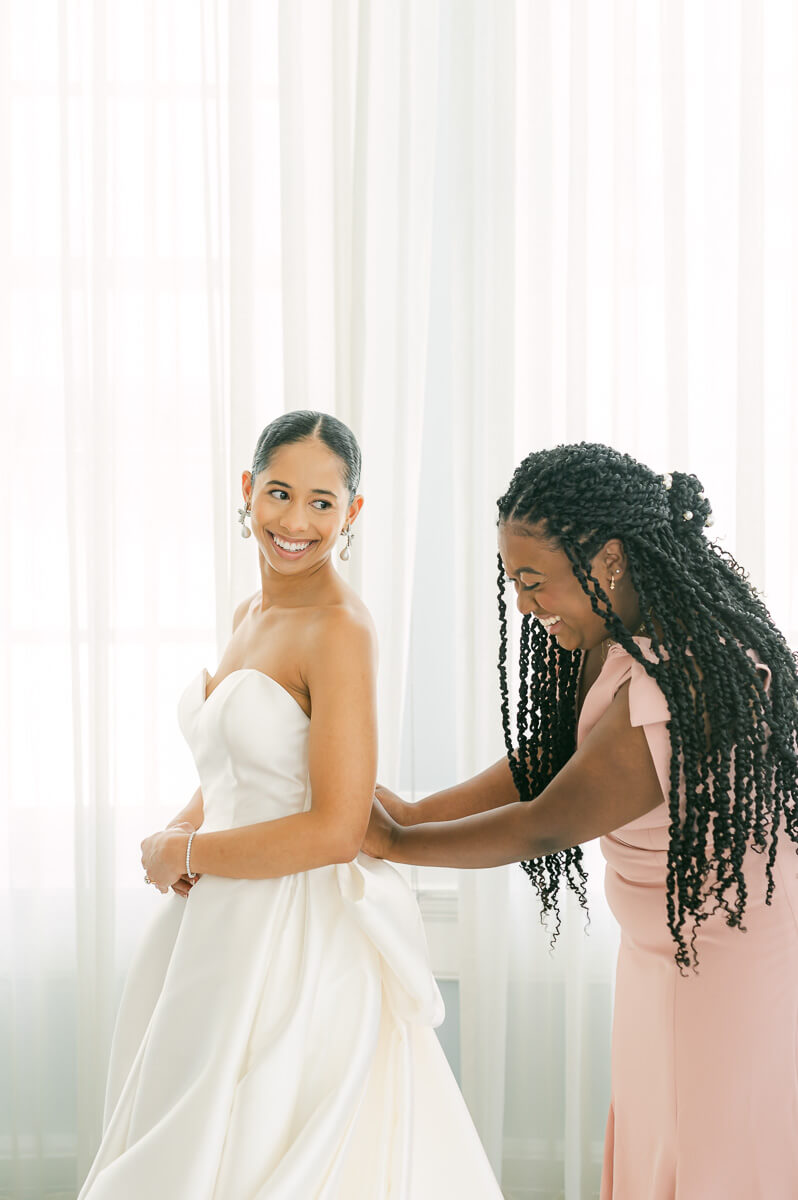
(354, 509)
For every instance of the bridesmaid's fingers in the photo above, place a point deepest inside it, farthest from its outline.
(183, 885)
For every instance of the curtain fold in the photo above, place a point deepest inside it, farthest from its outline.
(674, 233)
(356, 235)
(85, 280)
(228, 291)
(480, 214)
(750, 515)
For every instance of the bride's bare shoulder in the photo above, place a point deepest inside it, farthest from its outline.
(242, 609)
(345, 627)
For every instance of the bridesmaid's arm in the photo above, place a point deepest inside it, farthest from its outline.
(491, 788)
(342, 760)
(609, 781)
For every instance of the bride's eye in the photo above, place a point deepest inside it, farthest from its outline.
(279, 493)
(323, 503)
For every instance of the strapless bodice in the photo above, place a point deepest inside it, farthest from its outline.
(249, 740)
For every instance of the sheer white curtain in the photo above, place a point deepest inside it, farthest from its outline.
(468, 228)
(110, 277)
(168, 285)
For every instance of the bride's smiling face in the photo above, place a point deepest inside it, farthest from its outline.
(299, 505)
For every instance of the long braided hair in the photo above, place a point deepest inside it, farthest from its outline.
(741, 774)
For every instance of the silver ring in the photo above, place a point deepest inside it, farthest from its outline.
(147, 878)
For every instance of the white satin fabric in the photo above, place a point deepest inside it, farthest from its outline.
(274, 1038)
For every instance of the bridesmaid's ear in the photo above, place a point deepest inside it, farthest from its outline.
(612, 557)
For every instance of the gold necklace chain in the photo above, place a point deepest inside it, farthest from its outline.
(609, 641)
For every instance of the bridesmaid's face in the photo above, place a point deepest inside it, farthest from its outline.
(547, 588)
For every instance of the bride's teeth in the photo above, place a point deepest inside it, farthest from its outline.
(295, 547)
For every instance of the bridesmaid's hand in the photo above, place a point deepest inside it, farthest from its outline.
(183, 885)
(163, 857)
(381, 834)
(397, 809)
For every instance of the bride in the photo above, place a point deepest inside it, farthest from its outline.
(275, 1034)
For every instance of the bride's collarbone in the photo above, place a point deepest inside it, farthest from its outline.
(259, 643)
(268, 656)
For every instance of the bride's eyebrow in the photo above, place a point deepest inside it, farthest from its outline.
(282, 484)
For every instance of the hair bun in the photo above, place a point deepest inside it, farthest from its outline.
(691, 512)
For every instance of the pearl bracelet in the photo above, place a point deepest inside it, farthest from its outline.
(188, 855)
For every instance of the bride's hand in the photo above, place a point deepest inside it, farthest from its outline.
(163, 856)
(382, 832)
(183, 885)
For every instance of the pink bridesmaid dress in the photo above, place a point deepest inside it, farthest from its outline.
(704, 1102)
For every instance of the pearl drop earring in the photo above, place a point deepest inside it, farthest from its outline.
(346, 532)
(242, 513)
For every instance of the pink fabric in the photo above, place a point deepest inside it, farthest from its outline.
(704, 1102)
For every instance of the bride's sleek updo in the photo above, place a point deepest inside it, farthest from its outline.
(301, 426)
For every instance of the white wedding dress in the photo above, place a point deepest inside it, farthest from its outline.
(275, 1036)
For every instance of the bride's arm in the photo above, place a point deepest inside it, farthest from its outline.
(341, 658)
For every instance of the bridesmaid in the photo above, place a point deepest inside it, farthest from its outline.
(658, 710)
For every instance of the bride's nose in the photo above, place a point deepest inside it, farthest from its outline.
(293, 519)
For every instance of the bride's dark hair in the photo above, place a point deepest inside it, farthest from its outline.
(303, 425)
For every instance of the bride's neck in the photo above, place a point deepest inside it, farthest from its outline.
(295, 591)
